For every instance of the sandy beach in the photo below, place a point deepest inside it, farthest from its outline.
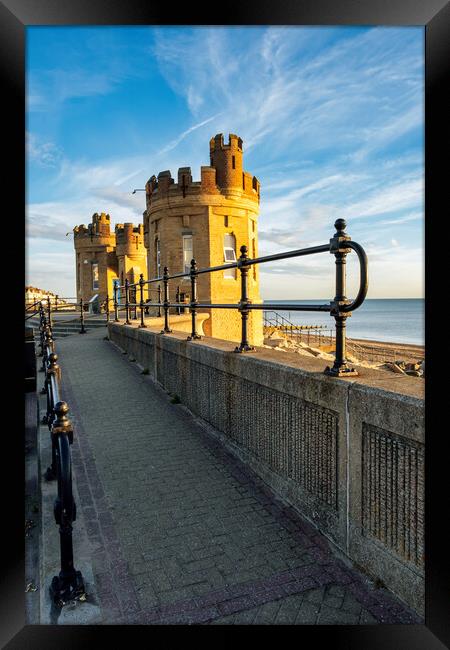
(402, 351)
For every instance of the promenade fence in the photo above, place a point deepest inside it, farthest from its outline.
(340, 308)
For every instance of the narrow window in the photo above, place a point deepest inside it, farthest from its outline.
(229, 254)
(94, 276)
(233, 162)
(187, 253)
(158, 258)
(226, 222)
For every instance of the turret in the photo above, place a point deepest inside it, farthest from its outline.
(227, 160)
(97, 233)
(129, 239)
(95, 261)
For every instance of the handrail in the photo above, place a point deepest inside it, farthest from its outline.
(340, 307)
(363, 279)
(69, 584)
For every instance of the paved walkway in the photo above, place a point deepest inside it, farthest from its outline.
(180, 530)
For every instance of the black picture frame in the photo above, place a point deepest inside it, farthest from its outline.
(434, 15)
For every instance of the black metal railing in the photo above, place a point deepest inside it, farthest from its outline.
(68, 305)
(69, 584)
(340, 307)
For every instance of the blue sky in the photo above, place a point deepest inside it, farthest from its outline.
(332, 120)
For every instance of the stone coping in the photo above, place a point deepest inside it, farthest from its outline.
(379, 380)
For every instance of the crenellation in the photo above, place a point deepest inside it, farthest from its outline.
(184, 176)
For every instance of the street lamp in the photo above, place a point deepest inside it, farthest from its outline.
(138, 190)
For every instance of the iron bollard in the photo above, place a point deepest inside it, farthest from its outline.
(166, 302)
(116, 305)
(340, 251)
(193, 303)
(127, 302)
(141, 302)
(83, 329)
(69, 584)
(244, 345)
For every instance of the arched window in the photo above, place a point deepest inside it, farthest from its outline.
(158, 258)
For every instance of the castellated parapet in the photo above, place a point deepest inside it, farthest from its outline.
(209, 220)
(103, 257)
(97, 233)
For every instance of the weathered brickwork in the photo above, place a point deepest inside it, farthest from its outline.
(393, 492)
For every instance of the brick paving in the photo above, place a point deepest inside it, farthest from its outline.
(181, 531)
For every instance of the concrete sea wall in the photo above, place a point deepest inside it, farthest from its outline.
(347, 453)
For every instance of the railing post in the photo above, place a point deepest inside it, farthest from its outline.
(244, 345)
(127, 302)
(48, 343)
(141, 302)
(177, 299)
(116, 305)
(52, 370)
(166, 302)
(159, 300)
(83, 329)
(56, 302)
(133, 296)
(338, 249)
(49, 310)
(68, 585)
(107, 309)
(193, 303)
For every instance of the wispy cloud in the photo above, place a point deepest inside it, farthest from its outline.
(174, 143)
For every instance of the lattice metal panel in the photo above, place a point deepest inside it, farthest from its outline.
(393, 492)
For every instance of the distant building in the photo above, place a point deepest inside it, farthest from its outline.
(208, 220)
(33, 294)
(103, 257)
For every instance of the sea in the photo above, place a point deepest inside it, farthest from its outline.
(378, 319)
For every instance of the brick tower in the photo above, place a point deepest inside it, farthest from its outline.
(103, 256)
(209, 220)
(130, 251)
